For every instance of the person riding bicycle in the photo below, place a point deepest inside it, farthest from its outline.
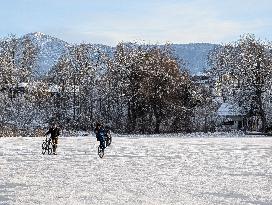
(100, 135)
(54, 130)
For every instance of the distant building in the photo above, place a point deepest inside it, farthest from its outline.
(201, 79)
(232, 116)
(54, 89)
(22, 87)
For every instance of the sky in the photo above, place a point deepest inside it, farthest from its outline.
(151, 21)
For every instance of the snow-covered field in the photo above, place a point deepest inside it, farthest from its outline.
(138, 170)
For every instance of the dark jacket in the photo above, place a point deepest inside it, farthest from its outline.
(100, 134)
(55, 132)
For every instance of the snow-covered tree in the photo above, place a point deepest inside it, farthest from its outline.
(27, 60)
(77, 77)
(8, 49)
(243, 71)
(151, 92)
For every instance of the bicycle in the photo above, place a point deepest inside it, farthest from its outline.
(47, 146)
(108, 138)
(107, 142)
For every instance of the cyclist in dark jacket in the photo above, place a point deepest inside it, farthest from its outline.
(54, 130)
(100, 135)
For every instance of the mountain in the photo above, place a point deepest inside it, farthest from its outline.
(51, 48)
(195, 55)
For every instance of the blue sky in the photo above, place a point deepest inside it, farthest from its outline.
(153, 21)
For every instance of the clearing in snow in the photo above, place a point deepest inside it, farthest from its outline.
(138, 170)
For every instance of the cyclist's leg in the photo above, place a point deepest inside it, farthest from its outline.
(54, 142)
(102, 143)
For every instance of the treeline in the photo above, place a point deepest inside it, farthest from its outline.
(135, 89)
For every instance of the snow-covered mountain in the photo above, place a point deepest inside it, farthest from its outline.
(51, 48)
(195, 55)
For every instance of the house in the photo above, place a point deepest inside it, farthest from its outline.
(53, 89)
(22, 87)
(232, 117)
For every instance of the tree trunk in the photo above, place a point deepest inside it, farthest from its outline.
(131, 118)
(158, 118)
(261, 111)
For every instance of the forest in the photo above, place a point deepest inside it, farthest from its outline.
(138, 88)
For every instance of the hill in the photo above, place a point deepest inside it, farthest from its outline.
(51, 48)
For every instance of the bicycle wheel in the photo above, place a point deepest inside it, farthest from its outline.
(109, 141)
(44, 145)
(49, 148)
(43, 151)
(100, 152)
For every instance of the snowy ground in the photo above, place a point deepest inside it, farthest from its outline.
(138, 170)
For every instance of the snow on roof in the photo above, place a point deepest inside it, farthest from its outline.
(69, 89)
(54, 89)
(22, 85)
(227, 109)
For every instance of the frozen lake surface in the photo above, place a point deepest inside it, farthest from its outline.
(138, 170)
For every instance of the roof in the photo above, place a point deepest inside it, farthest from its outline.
(22, 85)
(227, 109)
(54, 89)
(70, 89)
